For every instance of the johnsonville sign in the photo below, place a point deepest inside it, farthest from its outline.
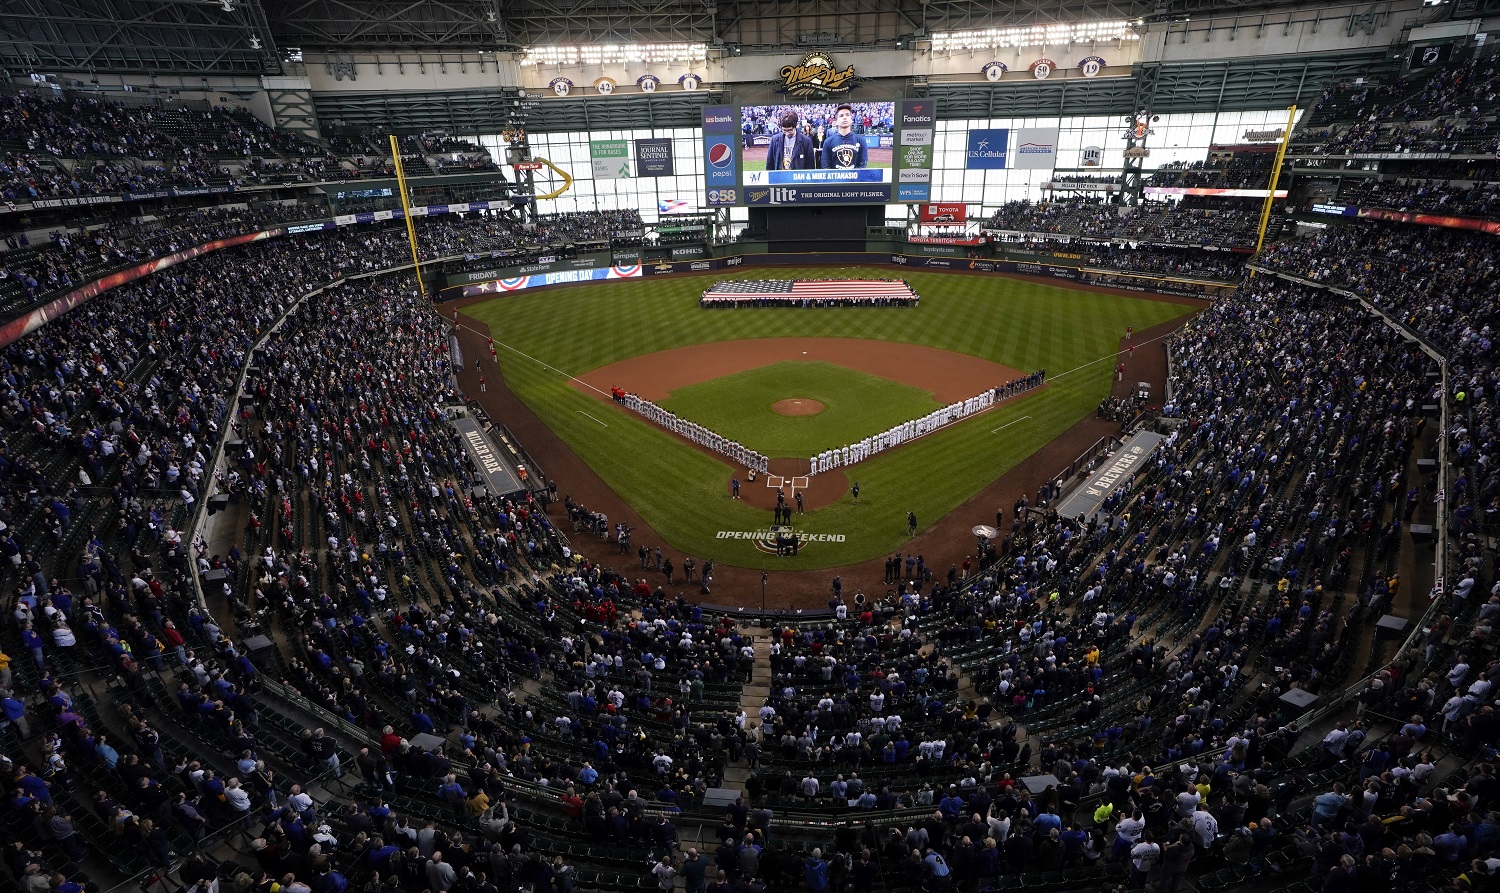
(815, 77)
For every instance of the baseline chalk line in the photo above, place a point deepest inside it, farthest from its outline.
(1009, 423)
(582, 413)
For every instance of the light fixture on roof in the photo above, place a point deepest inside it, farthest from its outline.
(1058, 34)
(611, 53)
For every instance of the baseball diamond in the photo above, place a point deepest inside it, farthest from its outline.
(650, 339)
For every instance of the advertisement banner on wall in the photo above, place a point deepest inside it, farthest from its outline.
(943, 212)
(611, 159)
(719, 168)
(1035, 149)
(560, 277)
(912, 151)
(1205, 190)
(653, 158)
(819, 195)
(914, 164)
(986, 149)
(698, 266)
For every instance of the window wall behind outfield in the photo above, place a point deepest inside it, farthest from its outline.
(1176, 138)
(570, 151)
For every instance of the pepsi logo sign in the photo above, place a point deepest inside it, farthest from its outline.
(720, 155)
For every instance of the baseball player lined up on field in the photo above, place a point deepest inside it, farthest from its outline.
(869, 446)
(697, 433)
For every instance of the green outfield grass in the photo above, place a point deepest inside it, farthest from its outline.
(856, 405)
(683, 492)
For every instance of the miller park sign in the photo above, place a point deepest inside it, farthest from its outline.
(815, 77)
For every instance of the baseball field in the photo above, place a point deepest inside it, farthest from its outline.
(789, 382)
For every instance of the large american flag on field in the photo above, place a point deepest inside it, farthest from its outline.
(814, 289)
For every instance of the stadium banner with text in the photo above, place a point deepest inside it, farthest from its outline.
(40, 316)
(915, 129)
(1470, 223)
(498, 473)
(721, 156)
(826, 194)
(681, 266)
(610, 159)
(972, 241)
(542, 265)
(1035, 148)
(557, 277)
(149, 195)
(653, 158)
(1116, 472)
(986, 149)
(1204, 190)
(943, 212)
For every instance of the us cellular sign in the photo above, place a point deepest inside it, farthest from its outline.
(987, 149)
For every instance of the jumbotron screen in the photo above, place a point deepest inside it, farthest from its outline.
(831, 152)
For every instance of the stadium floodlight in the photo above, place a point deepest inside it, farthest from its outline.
(604, 54)
(1060, 34)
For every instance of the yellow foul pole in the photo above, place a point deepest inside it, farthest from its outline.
(1265, 210)
(411, 225)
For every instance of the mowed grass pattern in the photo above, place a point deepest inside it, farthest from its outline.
(855, 405)
(683, 493)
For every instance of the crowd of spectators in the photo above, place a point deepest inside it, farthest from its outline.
(69, 260)
(77, 145)
(1250, 170)
(1188, 222)
(1478, 199)
(1441, 110)
(1189, 263)
(1251, 555)
(1441, 283)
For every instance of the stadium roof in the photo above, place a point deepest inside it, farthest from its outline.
(249, 36)
(749, 24)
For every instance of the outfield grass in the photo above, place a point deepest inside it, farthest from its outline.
(683, 493)
(855, 405)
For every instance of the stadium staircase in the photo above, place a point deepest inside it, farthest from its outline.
(752, 696)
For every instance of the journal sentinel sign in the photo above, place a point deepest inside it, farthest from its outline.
(986, 149)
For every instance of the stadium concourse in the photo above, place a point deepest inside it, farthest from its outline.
(370, 675)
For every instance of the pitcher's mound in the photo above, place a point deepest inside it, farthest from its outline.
(797, 407)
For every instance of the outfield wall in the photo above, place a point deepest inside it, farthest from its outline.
(541, 278)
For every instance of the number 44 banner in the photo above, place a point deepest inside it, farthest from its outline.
(611, 159)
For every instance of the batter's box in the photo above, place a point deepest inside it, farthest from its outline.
(800, 482)
(775, 481)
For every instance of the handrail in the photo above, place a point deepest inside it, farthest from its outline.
(216, 459)
(1440, 558)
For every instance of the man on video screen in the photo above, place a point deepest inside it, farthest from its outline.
(791, 149)
(842, 148)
